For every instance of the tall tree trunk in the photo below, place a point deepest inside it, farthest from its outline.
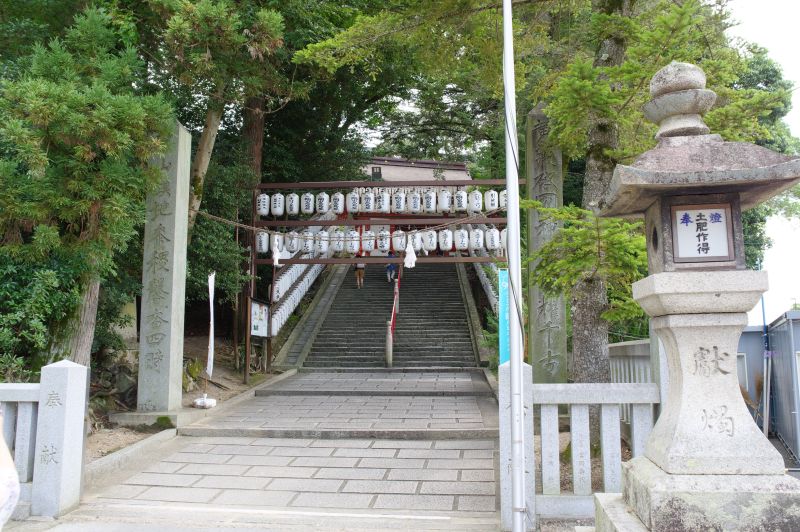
(254, 132)
(589, 298)
(75, 342)
(203, 156)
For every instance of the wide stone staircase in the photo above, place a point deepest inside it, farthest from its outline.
(432, 328)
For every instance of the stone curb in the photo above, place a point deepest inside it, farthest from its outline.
(123, 458)
(391, 434)
(491, 380)
(473, 319)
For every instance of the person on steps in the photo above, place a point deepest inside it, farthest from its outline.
(360, 267)
(391, 268)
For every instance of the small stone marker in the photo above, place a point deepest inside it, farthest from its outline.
(58, 460)
(164, 282)
(706, 465)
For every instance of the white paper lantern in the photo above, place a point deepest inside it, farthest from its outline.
(384, 240)
(307, 203)
(292, 204)
(353, 202)
(445, 200)
(277, 204)
(307, 241)
(476, 239)
(321, 241)
(445, 240)
(399, 201)
(492, 200)
(337, 241)
(475, 201)
(461, 200)
(276, 242)
(352, 241)
(429, 201)
(492, 239)
(504, 241)
(368, 201)
(416, 240)
(368, 240)
(429, 240)
(292, 241)
(262, 242)
(323, 202)
(504, 199)
(461, 238)
(383, 202)
(398, 241)
(337, 203)
(414, 203)
(262, 204)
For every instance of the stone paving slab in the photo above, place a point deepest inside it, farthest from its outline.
(420, 383)
(355, 413)
(389, 514)
(396, 477)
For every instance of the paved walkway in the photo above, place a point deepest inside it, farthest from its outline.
(428, 462)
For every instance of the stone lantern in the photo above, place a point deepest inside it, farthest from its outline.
(706, 465)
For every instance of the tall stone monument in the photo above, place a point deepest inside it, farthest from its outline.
(706, 465)
(547, 334)
(164, 282)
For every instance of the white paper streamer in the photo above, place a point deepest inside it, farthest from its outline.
(210, 366)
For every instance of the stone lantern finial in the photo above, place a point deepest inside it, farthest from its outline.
(679, 100)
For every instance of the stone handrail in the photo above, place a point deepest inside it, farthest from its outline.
(551, 503)
(44, 430)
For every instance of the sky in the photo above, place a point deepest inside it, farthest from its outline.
(773, 25)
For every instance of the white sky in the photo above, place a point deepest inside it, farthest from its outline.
(773, 25)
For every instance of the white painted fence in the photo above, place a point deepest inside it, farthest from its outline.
(44, 427)
(550, 501)
(630, 363)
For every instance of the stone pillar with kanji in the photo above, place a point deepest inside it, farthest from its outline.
(707, 465)
(164, 282)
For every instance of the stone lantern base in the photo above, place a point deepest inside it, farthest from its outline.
(706, 465)
(657, 501)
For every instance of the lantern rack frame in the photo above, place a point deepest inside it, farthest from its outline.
(382, 184)
(380, 220)
(455, 259)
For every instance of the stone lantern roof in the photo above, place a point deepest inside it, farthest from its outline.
(689, 160)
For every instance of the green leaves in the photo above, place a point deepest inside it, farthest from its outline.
(75, 144)
(591, 248)
(220, 48)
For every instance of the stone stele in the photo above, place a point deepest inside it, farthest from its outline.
(547, 328)
(164, 282)
(706, 466)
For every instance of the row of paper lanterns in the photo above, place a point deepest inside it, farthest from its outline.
(280, 312)
(381, 201)
(352, 241)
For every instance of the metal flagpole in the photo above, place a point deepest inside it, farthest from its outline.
(514, 265)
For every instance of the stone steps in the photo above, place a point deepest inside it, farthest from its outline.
(431, 329)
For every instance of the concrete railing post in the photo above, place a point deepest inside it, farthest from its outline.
(60, 438)
(389, 342)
